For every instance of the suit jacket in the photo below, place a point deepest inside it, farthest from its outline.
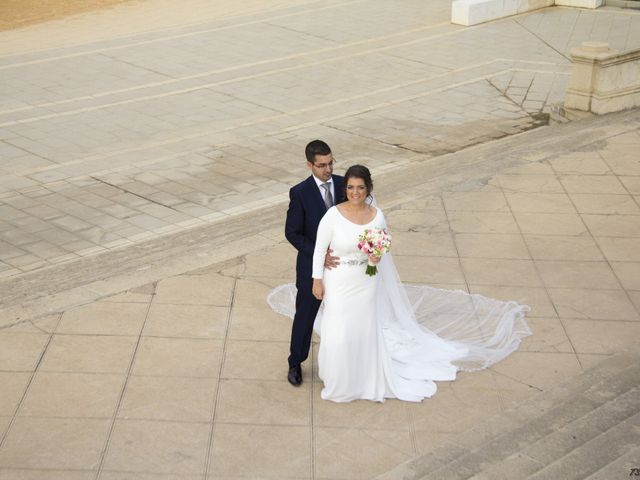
(306, 209)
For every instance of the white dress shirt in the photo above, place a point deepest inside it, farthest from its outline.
(322, 191)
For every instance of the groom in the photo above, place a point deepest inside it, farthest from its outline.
(308, 202)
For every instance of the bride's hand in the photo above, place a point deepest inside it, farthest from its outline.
(374, 259)
(318, 288)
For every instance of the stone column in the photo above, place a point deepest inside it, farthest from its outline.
(582, 83)
(603, 80)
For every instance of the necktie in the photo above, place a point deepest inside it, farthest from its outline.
(328, 198)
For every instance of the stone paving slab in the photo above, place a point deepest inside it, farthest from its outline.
(183, 375)
(136, 17)
(108, 143)
(141, 227)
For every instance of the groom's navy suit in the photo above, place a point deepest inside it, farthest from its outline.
(306, 209)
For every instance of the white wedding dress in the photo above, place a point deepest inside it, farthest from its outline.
(382, 339)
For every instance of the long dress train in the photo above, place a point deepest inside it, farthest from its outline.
(382, 339)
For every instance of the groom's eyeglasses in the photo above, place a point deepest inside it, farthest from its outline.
(322, 166)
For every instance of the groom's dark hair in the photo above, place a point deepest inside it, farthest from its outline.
(316, 147)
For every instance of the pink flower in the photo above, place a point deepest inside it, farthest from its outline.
(374, 241)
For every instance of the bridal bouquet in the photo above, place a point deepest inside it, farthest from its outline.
(374, 241)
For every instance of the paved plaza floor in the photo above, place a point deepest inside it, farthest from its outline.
(146, 152)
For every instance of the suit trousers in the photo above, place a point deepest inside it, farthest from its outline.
(306, 310)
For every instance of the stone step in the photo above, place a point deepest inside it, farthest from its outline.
(547, 438)
(496, 448)
(626, 466)
(562, 442)
(87, 279)
(593, 455)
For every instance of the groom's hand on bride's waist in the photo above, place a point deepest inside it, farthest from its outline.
(330, 261)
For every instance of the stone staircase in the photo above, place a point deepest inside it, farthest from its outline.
(586, 428)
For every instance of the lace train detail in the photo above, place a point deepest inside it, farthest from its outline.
(486, 330)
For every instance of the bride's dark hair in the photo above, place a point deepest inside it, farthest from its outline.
(359, 171)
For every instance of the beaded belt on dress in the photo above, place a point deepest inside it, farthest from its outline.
(353, 261)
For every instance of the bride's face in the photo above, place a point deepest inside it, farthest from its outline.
(356, 190)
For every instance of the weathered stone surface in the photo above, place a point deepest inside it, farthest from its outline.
(603, 79)
(578, 428)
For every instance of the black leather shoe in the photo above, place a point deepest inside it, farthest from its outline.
(295, 376)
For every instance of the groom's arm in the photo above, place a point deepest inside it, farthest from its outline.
(294, 225)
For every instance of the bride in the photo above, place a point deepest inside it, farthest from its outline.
(382, 339)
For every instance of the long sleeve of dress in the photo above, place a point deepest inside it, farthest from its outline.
(382, 222)
(323, 240)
